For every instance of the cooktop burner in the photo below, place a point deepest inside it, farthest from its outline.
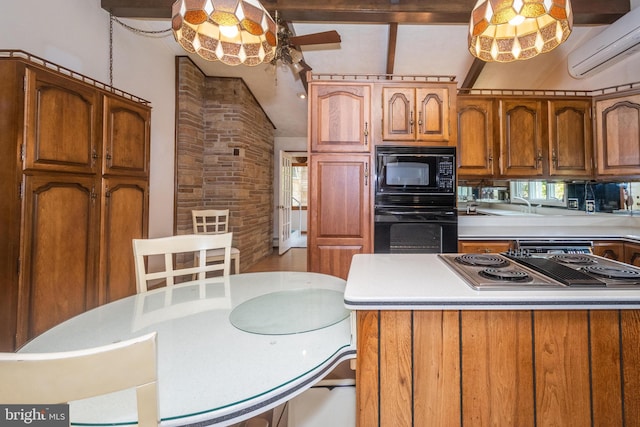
(612, 272)
(495, 271)
(482, 260)
(574, 259)
(506, 275)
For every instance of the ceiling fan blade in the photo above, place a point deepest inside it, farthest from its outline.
(316, 38)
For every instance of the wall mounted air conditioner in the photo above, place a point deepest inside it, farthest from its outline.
(616, 42)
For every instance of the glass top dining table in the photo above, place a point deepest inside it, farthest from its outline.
(228, 348)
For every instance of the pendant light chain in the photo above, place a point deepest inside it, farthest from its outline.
(146, 33)
(110, 50)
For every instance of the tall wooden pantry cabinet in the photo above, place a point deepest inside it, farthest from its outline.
(74, 171)
(340, 176)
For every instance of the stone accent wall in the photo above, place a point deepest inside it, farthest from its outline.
(224, 158)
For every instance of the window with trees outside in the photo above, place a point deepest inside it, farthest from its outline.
(299, 186)
(540, 192)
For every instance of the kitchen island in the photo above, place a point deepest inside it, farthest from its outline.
(433, 351)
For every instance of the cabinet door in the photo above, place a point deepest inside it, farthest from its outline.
(478, 247)
(340, 213)
(610, 250)
(632, 254)
(59, 252)
(398, 121)
(432, 113)
(570, 143)
(126, 138)
(475, 138)
(520, 139)
(618, 136)
(125, 205)
(340, 117)
(62, 124)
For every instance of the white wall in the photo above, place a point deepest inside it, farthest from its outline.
(75, 35)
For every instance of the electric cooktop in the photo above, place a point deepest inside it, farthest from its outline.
(521, 270)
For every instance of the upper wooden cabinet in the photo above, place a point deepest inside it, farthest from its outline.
(521, 138)
(340, 117)
(618, 136)
(524, 137)
(570, 141)
(127, 126)
(62, 123)
(476, 139)
(419, 113)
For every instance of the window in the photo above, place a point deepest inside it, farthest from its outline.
(540, 192)
(299, 186)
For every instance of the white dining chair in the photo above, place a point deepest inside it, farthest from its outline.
(215, 221)
(192, 248)
(52, 378)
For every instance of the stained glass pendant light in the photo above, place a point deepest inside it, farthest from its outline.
(231, 31)
(509, 30)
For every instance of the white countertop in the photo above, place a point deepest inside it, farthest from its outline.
(424, 282)
(597, 227)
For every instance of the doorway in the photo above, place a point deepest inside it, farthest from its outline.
(292, 207)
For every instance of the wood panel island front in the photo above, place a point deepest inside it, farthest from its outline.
(431, 351)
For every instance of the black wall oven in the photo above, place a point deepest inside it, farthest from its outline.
(415, 200)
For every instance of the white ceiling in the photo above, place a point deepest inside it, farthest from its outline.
(421, 50)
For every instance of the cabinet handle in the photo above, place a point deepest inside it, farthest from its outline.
(366, 174)
(420, 122)
(366, 133)
(108, 156)
(411, 118)
(490, 159)
(538, 159)
(554, 158)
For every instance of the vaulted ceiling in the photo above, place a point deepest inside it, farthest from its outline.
(415, 37)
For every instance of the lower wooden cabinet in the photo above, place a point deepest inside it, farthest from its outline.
(339, 211)
(619, 251)
(484, 247)
(125, 216)
(503, 368)
(610, 250)
(58, 266)
(632, 254)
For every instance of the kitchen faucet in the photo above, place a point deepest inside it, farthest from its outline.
(528, 208)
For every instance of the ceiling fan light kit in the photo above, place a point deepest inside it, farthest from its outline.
(510, 30)
(234, 32)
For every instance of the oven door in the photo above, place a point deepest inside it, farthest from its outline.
(411, 231)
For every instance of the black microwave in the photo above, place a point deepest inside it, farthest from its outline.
(415, 171)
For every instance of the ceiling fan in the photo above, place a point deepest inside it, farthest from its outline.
(287, 51)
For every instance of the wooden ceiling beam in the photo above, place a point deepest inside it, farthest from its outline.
(586, 12)
(472, 75)
(391, 47)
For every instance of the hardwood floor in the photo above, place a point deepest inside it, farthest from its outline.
(295, 259)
